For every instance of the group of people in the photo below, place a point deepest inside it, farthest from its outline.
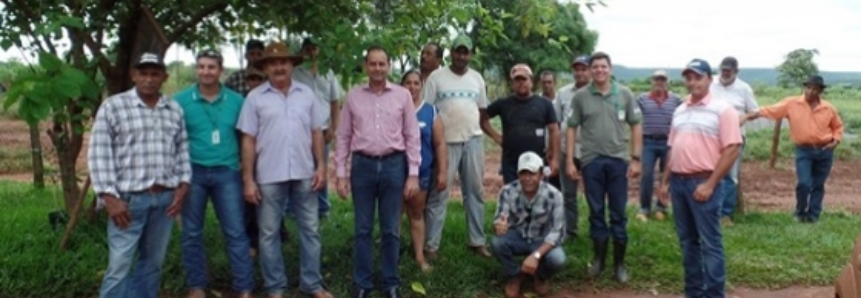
(264, 135)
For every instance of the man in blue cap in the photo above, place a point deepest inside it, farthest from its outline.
(562, 104)
(704, 142)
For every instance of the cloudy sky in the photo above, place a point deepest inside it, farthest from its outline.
(668, 33)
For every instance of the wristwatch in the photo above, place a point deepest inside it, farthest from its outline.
(536, 255)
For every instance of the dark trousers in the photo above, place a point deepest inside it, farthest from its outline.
(812, 166)
(698, 228)
(605, 182)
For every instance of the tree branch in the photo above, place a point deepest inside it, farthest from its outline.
(195, 19)
(32, 17)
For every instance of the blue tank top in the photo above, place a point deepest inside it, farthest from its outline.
(426, 115)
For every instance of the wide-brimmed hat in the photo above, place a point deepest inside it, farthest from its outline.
(277, 50)
(815, 80)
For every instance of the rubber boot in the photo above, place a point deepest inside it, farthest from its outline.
(599, 249)
(619, 270)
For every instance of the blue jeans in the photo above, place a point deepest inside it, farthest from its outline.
(377, 185)
(698, 228)
(654, 153)
(512, 244)
(569, 193)
(224, 186)
(812, 167)
(606, 177)
(146, 238)
(323, 194)
(270, 214)
(730, 184)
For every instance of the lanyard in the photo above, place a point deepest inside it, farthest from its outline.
(208, 107)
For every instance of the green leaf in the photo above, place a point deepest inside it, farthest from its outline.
(418, 288)
(49, 62)
(70, 21)
(6, 44)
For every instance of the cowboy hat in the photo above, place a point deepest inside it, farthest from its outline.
(277, 50)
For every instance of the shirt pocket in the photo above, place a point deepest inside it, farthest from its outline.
(168, 127)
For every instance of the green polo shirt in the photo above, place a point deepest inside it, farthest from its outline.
(604, 121)
(211, 126)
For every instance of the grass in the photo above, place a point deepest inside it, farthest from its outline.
(764, 250)
(15, 160)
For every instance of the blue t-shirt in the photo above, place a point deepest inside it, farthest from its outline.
(426, 115)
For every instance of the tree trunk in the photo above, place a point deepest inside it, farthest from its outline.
(36, 157)
(67, 156)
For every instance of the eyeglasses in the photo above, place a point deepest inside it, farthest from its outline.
(209, 53)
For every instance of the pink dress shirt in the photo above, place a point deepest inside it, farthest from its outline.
(378, 124)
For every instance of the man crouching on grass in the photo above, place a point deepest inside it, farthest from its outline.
(704, 142)
(529, 221)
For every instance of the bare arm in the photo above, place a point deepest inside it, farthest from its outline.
(637, 140)
(554, 143)
(488, 128)
(440, 147)
(727, 158)
(570, 139)
(249, 157)
(318, 144)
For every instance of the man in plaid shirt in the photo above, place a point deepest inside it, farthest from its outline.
(529, 221)
(236, 81)
(139, 163)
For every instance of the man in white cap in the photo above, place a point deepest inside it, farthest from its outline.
(529, 221)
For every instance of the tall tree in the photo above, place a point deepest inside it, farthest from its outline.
(796, 67)
(545, 34)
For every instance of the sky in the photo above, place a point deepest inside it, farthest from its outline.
(669, 33)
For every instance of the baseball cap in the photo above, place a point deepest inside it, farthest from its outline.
(462, 41)
(660, 73)
(582, 59)
(309, 41)
(699, 66)
(149, 58)
(530, 161)
(520, 70)
(254, 44)
(729, 63)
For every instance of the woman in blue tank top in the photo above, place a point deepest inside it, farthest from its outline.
(432, 168)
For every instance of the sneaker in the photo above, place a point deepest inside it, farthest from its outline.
(642, 217)
(726, 221)
(660, 215)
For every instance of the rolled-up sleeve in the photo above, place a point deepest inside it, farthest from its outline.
(557, 219)
(100, 154)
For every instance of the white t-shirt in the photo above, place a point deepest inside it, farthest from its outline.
(562, 104)
(738, 94)
(458, 99)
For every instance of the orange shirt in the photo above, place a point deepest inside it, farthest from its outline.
(700, 131)
(807, 126)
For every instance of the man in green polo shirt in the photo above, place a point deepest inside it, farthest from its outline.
(211, 111)
(602, 111)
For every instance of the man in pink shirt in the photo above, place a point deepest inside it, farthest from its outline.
(704, 142)
(379, 129)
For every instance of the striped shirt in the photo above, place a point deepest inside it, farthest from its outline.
(539, 220)
(657, 115)
(459, 99)
(699, 132)
(133, 146)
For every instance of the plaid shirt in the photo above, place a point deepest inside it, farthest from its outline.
(133, 147)
(236, 82)
(542, 219)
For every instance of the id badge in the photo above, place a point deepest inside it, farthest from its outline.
(216, 137)
(621, 115)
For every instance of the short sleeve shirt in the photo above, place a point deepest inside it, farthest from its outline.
(458, 98)
(603, 120)
(325, 85)
(524, 124)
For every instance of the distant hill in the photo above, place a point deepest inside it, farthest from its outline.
(751, 75)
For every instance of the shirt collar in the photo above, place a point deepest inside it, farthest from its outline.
(613, 89)
(162, 100)
(659, 96)
(706, 100)
(367, 86)
(267, 87)
(196, 95)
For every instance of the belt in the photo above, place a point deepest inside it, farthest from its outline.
(656, 137)
(694, 175)
(813, 146)
(378, 157)
(155, 188)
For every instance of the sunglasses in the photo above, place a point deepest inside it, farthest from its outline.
(209, 53)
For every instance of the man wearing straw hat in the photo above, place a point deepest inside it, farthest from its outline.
(282, 139)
